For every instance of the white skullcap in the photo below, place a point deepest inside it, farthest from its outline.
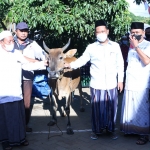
(5, 34)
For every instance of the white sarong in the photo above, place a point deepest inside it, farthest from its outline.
(135, 115)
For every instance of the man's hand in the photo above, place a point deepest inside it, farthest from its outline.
(67, 65)
(45, 63)
(120, 86)
(134, 42)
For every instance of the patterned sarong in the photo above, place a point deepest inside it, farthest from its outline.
(104, 109)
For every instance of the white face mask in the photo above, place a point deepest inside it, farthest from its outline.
(101, 37)
(9, 48)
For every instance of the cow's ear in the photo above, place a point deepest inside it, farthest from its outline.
(70, 53)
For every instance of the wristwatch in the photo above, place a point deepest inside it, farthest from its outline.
(137, 47)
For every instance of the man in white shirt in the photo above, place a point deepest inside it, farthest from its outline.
(12, 112)
(107, 72)
(135, 116)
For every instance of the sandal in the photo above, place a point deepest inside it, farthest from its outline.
(6, 146)
(114, 136)
(28, 129)
(142, 140)
(25, 143)
(94, 136)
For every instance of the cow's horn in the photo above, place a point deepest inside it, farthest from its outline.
(45, 47)
(66, 46)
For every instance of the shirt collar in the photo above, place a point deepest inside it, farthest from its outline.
(109, 42)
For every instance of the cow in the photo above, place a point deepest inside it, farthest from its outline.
(63, 81)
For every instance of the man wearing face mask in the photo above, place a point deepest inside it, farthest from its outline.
(106, 66)
(12, 112)
(135, 115)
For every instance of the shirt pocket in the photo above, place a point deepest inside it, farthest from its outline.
(112, 57)
(133, 57)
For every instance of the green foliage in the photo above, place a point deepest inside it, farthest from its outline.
(61, 19)
(139, 19)
(4, 7)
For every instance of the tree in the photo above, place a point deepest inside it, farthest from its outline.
(138, 2)
(4, 7)
(139, 18)
(61, 19)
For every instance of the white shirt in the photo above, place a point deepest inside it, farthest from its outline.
(137, 74)
(10, 74)
(33, 51)
(106, 64)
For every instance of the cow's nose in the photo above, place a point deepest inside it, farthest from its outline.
(53, 73)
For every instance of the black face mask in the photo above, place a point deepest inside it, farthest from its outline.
(147, 35)
(138, 37)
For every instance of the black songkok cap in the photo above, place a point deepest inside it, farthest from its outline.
(137, 25)
(100, 23)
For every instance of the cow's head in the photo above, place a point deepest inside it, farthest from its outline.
(57, 57)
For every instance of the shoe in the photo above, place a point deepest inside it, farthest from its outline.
(28, 129)
(25, 143)
(94, 136)
(142, 140)
(6, 146)
(114, 136)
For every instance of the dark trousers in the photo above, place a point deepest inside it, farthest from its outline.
(27, 91)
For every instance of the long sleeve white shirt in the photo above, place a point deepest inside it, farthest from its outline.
(138, 74)
(106, 64)
(11, 64)
(34, 51)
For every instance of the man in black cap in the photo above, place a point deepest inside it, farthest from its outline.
(31, 51)
(135, 117)
(106, 67)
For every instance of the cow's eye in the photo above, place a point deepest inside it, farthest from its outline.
(61, 58)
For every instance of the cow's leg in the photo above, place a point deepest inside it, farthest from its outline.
(81, 98)
(67, 110)
(62, 111)
(54, 109)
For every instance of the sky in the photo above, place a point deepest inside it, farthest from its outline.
(138, 10)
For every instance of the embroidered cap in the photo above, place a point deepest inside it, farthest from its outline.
(21, 26)
(5, 34)
(137, 25)
(100, 23)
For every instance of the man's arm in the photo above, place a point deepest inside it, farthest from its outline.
(31, 60)
(82, 60)
(144, 58)
(28, 65)
(120, 69)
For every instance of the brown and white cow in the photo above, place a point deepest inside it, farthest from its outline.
(63, 81)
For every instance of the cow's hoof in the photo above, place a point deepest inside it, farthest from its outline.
(82, 109)
(51, 123)
(63, 115)
(70, 131)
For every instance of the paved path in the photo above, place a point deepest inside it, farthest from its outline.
(81, 124)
